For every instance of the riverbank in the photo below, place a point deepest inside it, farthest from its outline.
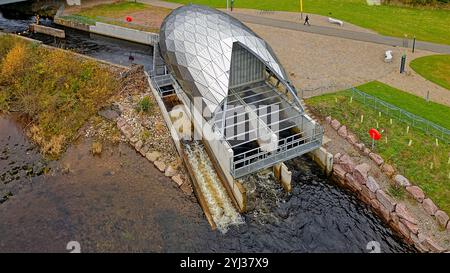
(396, 177)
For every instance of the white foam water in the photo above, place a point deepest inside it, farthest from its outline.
(219, 203)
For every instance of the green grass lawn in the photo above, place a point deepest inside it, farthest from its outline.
(115, 13)
(435, 68)
(412, 161)
(426, 24)
(431, 111)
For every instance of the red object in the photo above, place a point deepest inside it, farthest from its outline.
(129, 18)
(374, 134)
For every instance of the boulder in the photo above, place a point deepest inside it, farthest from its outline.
(170, 171)
(372, 184)
(376, 158)
(343, 131)
(388, 170)
(375, 204)
(347, 163)
(413, 228)
(429, 206)
(335, 124)
(339, 171)
(160, 166)
(352, 138)
(416, 193)
(178, 179)
(403, 213)
(402, 181)
(432, 245)
(441, 218)
(360, 172)
(385, 213)
(352, 183)
(153, 156)
(138, 145)
(328, 119)
(360, 146)
(366, 151)
(403, 229)
(366, 193)
(186, 188)
(385, 200)
(336, 158)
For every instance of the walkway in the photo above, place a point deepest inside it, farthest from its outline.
(322, 30)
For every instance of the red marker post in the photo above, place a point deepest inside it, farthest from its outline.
(129, 19)
(374, 135)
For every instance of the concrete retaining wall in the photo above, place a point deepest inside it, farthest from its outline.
(59, 33)
(124, 33)
(71, 24)
(323, 158)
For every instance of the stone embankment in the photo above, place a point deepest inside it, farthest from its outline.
(356, 177)
(146, 131)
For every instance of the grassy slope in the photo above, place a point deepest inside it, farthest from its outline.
(412, 161)
(427, 24)
(57, 90)
(114, 13)
(434, 112)
(435, 68)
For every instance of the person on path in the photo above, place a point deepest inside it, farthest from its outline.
(306, 20)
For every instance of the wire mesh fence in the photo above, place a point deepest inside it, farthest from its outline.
(410, 119)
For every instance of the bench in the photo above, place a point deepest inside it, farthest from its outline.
(335, 21)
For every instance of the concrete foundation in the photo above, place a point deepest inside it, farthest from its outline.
(283, 175)
(323, 158)
(58, 33)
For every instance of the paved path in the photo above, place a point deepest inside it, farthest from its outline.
(329, 31)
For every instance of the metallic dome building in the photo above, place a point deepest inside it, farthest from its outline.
(251, 108)
(198, 42)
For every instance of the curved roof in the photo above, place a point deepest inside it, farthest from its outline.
(196, 43)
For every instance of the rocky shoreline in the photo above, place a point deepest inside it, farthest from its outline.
(357, 178)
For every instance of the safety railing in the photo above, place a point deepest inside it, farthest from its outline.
(288, 148)
(412, 120)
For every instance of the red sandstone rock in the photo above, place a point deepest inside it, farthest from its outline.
(403, 229)
(402, 181)
(360, 173)
(372, 184)
(359, 146)
(388, 170)
(351, 181)
(385, 200)
(368, 194)
(416, 193)
(403, 213)
(385, 213)
(418, 242)
(394, 217)
(343, 131)
(347, 163)
(375, 204)
(441, 218)
(376, 158)
(335, 124)
(429, 206)
(352, 138)
(366, 151)
(160, 165)
(339, 171)
(432, 246)
(328, 119)
(336, 158)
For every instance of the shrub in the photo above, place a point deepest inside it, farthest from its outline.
(144, 105)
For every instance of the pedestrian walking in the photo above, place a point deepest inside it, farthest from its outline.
(306, 20)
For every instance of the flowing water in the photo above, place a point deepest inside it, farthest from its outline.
(119, 202)
(216, 196)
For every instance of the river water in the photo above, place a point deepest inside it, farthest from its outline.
(118, 202)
